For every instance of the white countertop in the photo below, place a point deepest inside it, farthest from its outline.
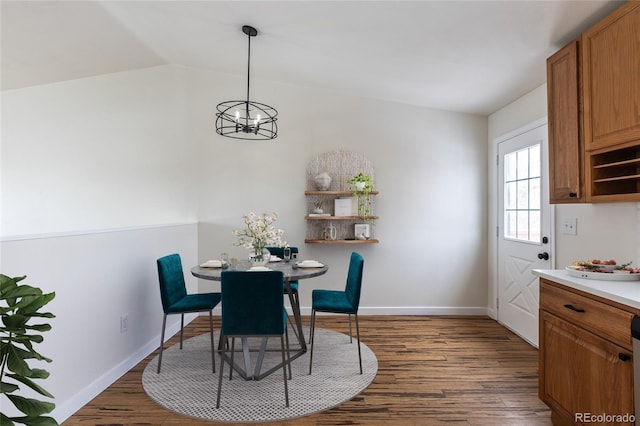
(625, 292)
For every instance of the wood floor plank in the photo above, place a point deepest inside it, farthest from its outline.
(431, 371)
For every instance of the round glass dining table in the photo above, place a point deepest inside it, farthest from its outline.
(291, 273)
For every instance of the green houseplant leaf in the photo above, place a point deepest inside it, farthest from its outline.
(19, 304)
(31, 407)
(35, 421)
(362, 185)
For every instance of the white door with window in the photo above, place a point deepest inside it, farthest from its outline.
(524, 229)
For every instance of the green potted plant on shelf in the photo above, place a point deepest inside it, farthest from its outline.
(19, 304)
(361, 186)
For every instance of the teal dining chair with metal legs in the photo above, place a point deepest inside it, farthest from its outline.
(279, 251)
(293, 285)
(253, 306)
(340, 302)
(175, 300)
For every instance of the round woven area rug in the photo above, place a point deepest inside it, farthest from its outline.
(187, 386)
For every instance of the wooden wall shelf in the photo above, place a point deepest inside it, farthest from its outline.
(341, 241)
(341, 166)
(355, 218)
(336, 192)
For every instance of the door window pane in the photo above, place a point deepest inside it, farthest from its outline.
(534, 161)
(509, 168)
(522, 194)
(522, 164)
(534, 193)
(510, 195)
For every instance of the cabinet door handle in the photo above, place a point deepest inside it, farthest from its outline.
(624, 357)
(573, 308)
(573, 194)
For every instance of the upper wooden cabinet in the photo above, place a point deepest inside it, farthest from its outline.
(566, 177)
(593, 87)
(611, 79)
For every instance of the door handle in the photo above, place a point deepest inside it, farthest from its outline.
(543, 256)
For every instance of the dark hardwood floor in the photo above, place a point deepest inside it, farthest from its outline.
(431, 371)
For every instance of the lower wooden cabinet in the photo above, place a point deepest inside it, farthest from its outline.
(583, 372)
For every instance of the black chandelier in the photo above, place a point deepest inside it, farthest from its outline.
(247, 119)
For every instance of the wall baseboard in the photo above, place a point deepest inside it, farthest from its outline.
(84, 396)
(412, 310)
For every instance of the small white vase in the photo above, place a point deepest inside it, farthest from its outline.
(322, 181)
(360, 185)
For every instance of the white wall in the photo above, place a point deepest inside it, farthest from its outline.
(97, 153)
(429, 169)
(97, 183)
(608, 230)
(93, 170)
(98, 277)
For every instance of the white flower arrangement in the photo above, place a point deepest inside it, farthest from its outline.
(259, 232)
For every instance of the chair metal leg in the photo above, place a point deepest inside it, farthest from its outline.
(293, 327)
(350, 331)
(213, 351)
(233, 350)
(286, 333)
(181, 328)
(164, 324)
(284, 372)
(311, 336)
(358, 332)
(222, 347)
(296, 298)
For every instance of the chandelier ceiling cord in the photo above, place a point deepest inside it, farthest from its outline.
(247, 119)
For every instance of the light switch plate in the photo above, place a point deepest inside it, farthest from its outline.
(570, 226)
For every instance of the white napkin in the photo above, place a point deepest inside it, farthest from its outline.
(212, 264)
(274, 259)
(259, 268)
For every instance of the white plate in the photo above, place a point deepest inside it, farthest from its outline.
(274, 259)
(212, 264)
(604, 276)
(310, 264)
(258, 268)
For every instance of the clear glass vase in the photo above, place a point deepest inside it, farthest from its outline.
(259, 256)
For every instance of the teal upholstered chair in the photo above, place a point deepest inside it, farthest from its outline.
(175, 299)
(253, 306)
(340, 302)
(279, 251)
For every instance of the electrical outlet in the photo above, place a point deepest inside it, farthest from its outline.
(124, 323)
(570, 226)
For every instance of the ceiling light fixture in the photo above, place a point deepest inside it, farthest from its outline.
(247, 119)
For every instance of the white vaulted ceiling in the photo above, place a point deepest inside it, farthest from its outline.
(467, 56)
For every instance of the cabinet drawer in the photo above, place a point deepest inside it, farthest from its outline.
(609, 322)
